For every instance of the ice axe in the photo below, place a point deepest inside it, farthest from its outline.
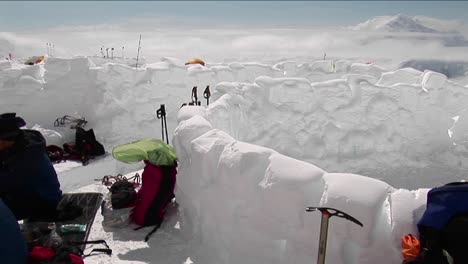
(326, 214)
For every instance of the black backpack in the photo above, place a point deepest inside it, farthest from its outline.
(85, 142)
(123, 194)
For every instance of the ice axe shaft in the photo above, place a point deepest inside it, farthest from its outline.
(323, 238)
(326, 214)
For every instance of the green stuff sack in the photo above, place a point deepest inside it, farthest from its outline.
(154, 151)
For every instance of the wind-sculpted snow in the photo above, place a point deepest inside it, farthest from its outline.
(401, 76)
(119, 101)
(394, 128)
(5, 64)
(342, 116)
(451, 69)
(246, 203)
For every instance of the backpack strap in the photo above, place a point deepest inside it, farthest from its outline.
(135, 180)
(106, 250)
(147, 237)
(100, 241)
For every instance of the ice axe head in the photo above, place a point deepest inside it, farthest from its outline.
(334, 212)
(326, 214)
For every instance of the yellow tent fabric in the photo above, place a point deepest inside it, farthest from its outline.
(153, 150)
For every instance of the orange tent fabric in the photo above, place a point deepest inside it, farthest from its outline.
(410, 247)
(39, 60)
(195, 61)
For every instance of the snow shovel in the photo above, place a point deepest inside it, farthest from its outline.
(326, 214)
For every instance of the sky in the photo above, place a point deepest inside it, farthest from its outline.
(33, 15)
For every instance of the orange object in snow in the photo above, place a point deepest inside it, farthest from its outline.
(410, 247)
(39, 60)
(195, 61)
(34, 60)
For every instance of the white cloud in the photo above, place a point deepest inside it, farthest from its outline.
(442, 25)
(180, 38)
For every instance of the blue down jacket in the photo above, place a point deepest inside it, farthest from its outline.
(28, 181)
(13, 248)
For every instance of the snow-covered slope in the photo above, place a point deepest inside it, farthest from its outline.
(398, 23)
(401, 28)
(449, 26)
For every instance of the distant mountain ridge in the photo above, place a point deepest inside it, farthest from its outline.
(398, 23)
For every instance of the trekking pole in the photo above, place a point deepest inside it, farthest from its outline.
(195, 96)
(326, 214)
(138, 53)
(207, 94)
(161, 114)
(165, 129)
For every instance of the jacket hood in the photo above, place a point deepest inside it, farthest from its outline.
(28, 141)
(33, 140)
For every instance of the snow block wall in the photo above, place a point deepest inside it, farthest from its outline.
(396, 126)
(247, 203)
(451, 69)
(122, 100)
(116, 99)
(376, 126)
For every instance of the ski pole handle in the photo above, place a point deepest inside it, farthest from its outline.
(195, 95)
(161, 112)
(207, 94)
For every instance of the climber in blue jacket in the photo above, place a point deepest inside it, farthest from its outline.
(13, 249)
(28, 182)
